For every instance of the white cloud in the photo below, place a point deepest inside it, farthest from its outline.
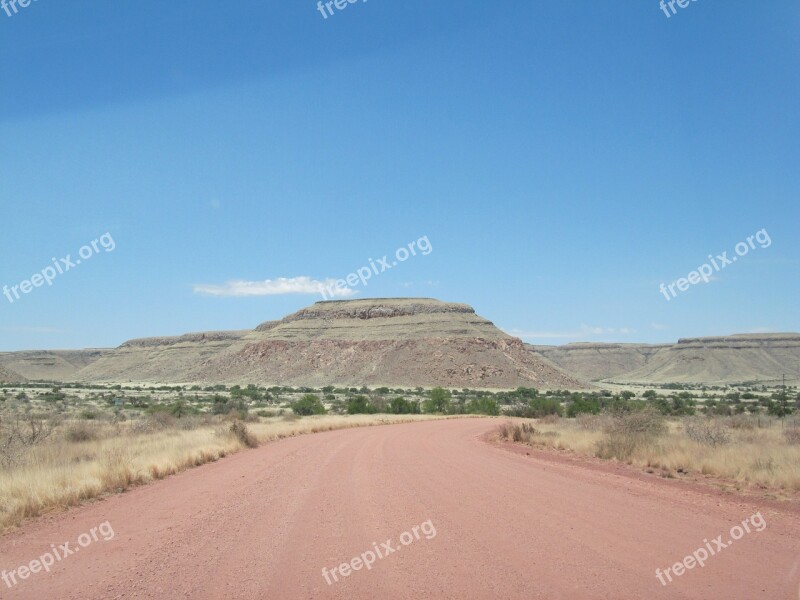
(274, 287)
(658, 326)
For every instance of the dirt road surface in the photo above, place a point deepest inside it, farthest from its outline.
(263, 524)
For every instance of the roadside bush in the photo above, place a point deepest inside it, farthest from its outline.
(18, 434)
(520, 433)
(243, 434)
(628, 432)
(708, 432)
(308, 405)
(589, 422)
(792, 435)
(81, 431)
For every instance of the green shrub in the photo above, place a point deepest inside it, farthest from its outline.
(439, 401)
(483, 406)
(360, 405)
(308, 405)
(541, 407)
(401, 406)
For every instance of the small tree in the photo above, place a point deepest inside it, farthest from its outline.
(439, 402)
(360, 405)
(308, 405)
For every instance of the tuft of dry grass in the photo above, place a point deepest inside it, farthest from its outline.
(87, 461)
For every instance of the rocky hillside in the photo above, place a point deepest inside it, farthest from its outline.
(731, 359)
(598, 361)
(404, 342)
(712, 360)
(159, 359)
(47, 365)
(8, 376)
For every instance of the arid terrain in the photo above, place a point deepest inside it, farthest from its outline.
(502, 524)
(256, 463)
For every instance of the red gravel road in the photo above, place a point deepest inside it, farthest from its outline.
(262, 524)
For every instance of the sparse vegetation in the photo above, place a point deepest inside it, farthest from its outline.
(745, 450)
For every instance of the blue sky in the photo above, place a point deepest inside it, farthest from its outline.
(562, 158)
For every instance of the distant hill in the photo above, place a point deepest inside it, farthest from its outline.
(405, 342)
(713, 360)
(8, 376)
(47, 365)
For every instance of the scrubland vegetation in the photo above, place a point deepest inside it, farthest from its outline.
(746, 450)
(61, 445)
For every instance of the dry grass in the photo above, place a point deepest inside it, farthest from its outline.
(88, 460)
(749, 456)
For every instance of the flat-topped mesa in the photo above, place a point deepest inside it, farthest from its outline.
(377, 308)
(744, 340)
(381, 319)
(405, 342)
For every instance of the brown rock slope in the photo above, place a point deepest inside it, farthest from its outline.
(598, 361)
(731, 359)
(397, 342)
(159, 359)
(47, 365)
(8, 376)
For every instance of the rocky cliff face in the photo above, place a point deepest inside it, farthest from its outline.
(404, 342)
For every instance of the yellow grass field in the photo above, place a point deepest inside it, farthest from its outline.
(750, 456)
